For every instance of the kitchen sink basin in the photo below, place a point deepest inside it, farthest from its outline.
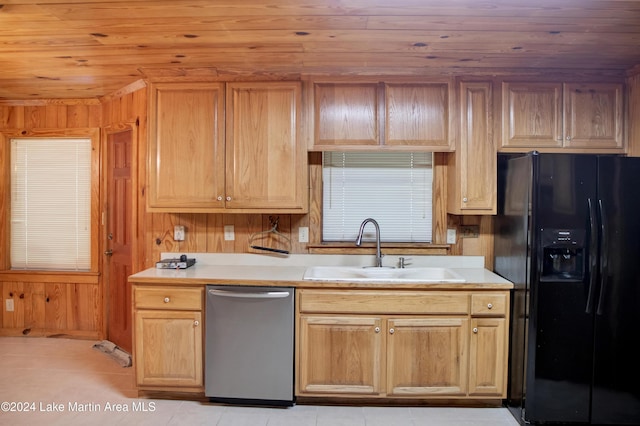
(382, 275)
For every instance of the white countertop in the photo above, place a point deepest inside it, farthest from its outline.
(250, 269)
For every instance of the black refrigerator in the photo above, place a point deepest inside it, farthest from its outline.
(567, 234)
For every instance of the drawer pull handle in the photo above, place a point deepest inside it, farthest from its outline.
(490, 305)
(475, 330)
(167, 300)
(377, 329)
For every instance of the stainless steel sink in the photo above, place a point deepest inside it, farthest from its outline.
(382, 275)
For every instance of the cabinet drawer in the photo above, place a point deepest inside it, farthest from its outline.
(384, 302)
(168, 298)
(490, 304)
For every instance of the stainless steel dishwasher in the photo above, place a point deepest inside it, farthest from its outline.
(249, 345)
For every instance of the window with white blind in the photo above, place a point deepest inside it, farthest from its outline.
(394, 188)
(51, 203)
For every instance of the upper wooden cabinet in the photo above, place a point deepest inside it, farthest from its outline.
(226, 149)
(556, 116)
(186, 147)
(266, 166)
(372, 116)
(472, 169)
(418, 115)
(346, 115)
(593, 116)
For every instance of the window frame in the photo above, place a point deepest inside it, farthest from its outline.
(5, 201)
(440, 218)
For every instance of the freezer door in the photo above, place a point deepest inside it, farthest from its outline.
(616, 389)
(560, 343)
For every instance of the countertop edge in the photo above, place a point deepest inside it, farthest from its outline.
(291, 276)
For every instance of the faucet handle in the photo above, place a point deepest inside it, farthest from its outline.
(402, 262)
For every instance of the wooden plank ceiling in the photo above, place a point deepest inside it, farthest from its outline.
(90, 48)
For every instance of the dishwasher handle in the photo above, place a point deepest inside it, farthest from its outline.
(253, 295)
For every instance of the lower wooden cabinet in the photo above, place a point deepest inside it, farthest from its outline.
(487, 375)
(168, 338)
(341, 354)
(427, 356)
(384, 345)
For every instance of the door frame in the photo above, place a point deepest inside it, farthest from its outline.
(107, 131)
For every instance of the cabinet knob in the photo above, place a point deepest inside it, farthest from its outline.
(391, 331)
(568, 138)
(377, 329)
(228, 198)
(475, 330)
(219, 197)
(196, 323)
(465, 199)
(489, 305)
(167, 300)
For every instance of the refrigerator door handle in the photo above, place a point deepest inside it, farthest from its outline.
(604, 256)
(593, 262)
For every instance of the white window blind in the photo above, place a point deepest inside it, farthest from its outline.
(51, 203)
(395, 189)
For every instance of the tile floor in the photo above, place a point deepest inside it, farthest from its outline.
(54, 378)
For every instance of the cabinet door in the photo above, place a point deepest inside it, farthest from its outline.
(340, 355)
(417, 115)
(593, 116)
(474, 167)
(346, 115)
(265, 164)
(531, 115)
(186, 147)
(168, 348)
(427, 356)
(488, 357)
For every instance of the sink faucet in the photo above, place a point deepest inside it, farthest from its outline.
(359, 239)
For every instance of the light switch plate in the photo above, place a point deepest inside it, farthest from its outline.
(451, 236)
(303, 234)
(229, 233)
(9, 305)
(178, 233)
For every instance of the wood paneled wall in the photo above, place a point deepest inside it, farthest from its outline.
(49, 304)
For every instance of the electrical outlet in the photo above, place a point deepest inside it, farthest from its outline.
(9, 305)
(229, 233)
(303, 234)
(178, 233)
(451, 236)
